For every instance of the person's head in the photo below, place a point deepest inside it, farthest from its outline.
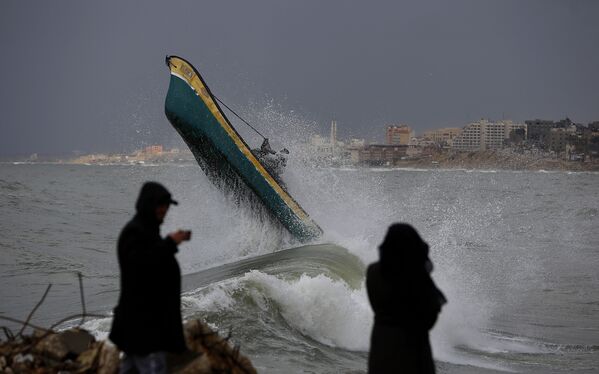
(161, 211)
(153, 202)
(403, 252)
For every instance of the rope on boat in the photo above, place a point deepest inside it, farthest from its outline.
(238, 116)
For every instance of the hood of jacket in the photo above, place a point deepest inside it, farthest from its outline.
(403, 253)
(152, 195)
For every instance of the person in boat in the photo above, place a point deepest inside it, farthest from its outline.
(406, 303)
(147, 320)
(273, 162)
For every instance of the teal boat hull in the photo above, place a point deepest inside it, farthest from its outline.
(221, 152)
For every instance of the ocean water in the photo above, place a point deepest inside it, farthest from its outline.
(516, 254)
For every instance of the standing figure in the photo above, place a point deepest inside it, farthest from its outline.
(406, 303)
(147, 320)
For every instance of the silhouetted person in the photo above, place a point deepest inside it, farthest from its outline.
(147, 320)
(406, 303)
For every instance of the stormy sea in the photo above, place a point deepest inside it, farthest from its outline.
(516, 254)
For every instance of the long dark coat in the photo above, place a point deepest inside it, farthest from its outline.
(406, 303)
(148, 315)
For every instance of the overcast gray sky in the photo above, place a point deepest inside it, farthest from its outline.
(90, 76)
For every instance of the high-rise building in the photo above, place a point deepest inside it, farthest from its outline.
(398, 135)
(333, 133)
(557, 139)
(483, 134)
(333, 136)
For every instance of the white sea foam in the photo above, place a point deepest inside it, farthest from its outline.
(217, 299)
(99, 327)
(324, 309)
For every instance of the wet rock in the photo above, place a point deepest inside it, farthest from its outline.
(69, 343)
(19, 358)
(22, 363)
(76, 340)
(215, 350)
(76, 351)
(52, 346)
(109, 359)
(87, 360)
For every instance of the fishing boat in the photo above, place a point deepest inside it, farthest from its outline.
(222, 153)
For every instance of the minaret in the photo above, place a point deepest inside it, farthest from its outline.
(333, 135)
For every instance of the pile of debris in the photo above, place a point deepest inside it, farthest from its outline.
(74, 351)
(77, 351)
(216, 353)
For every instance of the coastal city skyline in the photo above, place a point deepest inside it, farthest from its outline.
(429, 64)
(561, 144)
(381, 134)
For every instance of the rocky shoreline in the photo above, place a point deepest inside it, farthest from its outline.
(498, 160)
(77, 351)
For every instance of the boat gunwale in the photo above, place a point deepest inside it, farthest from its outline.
(306, 219)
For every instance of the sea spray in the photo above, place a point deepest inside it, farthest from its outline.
(326, 310)
(487, 242)
(355, 207)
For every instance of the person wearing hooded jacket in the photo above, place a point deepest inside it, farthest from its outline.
(147, 320)
(406, 303)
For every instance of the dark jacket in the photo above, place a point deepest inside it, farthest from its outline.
(406, 304)
(148, 315)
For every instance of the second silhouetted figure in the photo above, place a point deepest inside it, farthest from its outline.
(406, 303)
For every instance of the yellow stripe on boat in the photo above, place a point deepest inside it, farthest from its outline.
(181, 69)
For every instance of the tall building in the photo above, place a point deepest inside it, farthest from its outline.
(558, 139)
(398, 135)
(483, 134)
(333, 134)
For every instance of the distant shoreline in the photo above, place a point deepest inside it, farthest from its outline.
(407, 164)
(498, 159)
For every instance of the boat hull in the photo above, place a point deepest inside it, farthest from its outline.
(222, 153)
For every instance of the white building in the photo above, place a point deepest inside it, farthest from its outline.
(483, 134)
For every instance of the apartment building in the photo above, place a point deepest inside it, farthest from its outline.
(483, 134)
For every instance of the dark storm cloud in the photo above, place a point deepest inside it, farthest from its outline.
(90, 76)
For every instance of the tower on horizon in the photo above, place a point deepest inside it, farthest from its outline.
(333, 134)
